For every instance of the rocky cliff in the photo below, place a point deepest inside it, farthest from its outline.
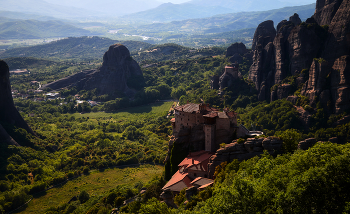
(244, 151)
(315, 53)
(9, 115)
(119, 74)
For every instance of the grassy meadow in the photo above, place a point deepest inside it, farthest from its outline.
(134, 112)
(96, 184)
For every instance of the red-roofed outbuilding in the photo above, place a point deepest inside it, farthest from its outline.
(193, 166)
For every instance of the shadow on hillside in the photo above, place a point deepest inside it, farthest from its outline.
(22, 209)
(40, 194)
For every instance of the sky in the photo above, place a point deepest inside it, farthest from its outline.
(173, 1)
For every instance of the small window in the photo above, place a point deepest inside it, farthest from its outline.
(205, 176)
(195, 174)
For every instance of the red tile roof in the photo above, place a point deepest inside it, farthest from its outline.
(178, 177)
(231, 114)
(205, 186)
(202, 180)
(193, 108)
(172, 120)
(195, 158)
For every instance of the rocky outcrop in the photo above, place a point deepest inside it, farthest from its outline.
(317, 79)
(305, 117)
(325, 11)
(295, 19)
(168, 198)
(307, 143)
(320, 45)
(340, 84)
(8, 113)
(226, 80)
(118, 75)
(236, 48)
(243, 151)
(214, 82)
(264, 33)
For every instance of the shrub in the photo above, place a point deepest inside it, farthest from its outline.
(86, 170)
(83, 196)
(240, 140)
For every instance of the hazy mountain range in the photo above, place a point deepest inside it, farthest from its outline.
(33, 29)
(117, 8)
(189, 32)
(227, 22)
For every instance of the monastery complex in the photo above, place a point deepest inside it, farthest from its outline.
(212, 127)
(219, 127)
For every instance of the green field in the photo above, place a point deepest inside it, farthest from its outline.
(154, 108)
(96, 184)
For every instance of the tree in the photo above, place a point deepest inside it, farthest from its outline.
(153, 206)
(290, 138)
(83, 196)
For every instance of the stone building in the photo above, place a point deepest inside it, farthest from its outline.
(232, 69)
(217, 127)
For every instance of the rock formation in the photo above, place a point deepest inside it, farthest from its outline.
(229, 76)
(235, 52)
(118, 74)
(321, 45)
(307, 143)
(244, 151)
(8, 114)
(236, 48)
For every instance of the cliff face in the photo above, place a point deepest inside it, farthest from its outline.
(8, 114)
(249, 149)
(320, 45)
(118, 74)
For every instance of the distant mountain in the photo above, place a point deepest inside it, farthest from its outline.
(32, 29)
(251, 5)
(43, 8)
(205, 8)
(82, 48)
(172, 12)
(240, 6)
(25, 16)
(226, 22)
(109, 7)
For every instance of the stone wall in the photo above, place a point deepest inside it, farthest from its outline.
(185, 119)
(243, 151)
